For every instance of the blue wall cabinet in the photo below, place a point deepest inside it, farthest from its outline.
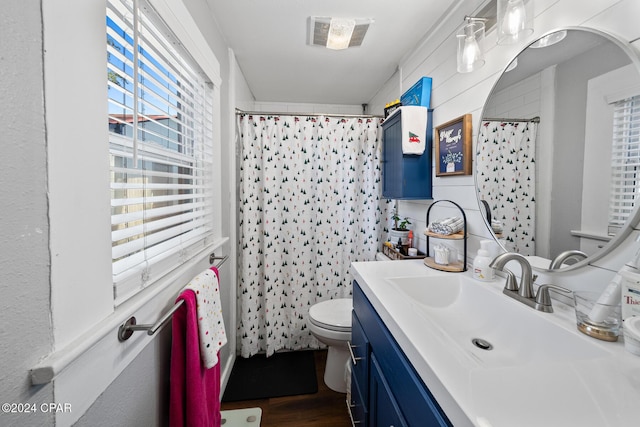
(385, 388)
(405, 176)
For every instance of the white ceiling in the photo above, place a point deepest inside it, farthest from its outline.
(269, 40)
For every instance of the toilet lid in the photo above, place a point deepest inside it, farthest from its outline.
(333, 314)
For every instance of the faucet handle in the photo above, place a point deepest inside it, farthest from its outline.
(512, 283)
(543, 299)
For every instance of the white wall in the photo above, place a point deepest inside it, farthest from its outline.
(26, 332)
(456, 94)
(242, 97)
(300, 108)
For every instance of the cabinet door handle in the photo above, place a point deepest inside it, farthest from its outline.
(354, 359)
(349, 407)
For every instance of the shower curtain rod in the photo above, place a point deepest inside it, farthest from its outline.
(534, 120)
(288, 113)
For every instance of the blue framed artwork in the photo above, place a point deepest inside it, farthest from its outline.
(453, 147)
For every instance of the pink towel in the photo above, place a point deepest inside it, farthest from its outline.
(194, 390)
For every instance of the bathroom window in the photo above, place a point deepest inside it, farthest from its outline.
(625, 158)
(160, 120)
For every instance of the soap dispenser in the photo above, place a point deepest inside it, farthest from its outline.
(481, 269)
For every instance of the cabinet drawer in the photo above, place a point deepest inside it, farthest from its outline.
(359, 352)
(358, 406)
(384, 408)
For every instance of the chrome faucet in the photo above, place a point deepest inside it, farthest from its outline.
(523, 292)
(563, 256)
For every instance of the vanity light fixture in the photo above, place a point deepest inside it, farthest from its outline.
(337, 33)
(470, 36)
(515, 20)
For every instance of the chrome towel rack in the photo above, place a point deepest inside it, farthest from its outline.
(129, 327)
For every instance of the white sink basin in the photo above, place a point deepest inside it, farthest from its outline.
(458, 310)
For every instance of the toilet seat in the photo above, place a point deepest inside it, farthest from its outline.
(334, 315)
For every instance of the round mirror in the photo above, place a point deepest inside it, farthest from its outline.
(557, 154)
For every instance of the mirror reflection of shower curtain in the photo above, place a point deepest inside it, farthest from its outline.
(310, 205)
(506, 179)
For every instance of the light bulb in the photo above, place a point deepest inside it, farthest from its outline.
(340, 31)
(470, 52)
(470, 56)
(514, 17)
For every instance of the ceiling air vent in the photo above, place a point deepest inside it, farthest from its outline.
(349, 32)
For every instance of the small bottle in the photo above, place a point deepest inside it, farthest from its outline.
(410, 237)
(399, 245)
(481, 269)
(607, 301)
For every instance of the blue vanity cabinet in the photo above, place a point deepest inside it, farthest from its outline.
(393, 393)
(405, 176)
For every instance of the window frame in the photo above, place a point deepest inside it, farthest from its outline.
(625, 161)
(603, 91)
(141, 42)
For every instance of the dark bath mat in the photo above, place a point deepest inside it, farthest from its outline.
(282, 374)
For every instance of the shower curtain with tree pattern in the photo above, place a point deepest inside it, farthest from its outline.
(506, 179)
(310, 204)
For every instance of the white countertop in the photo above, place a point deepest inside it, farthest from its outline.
(599, 392)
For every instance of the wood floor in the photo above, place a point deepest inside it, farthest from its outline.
(326, 408)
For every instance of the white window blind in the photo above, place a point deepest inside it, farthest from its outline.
(161, 148)
(625, 162)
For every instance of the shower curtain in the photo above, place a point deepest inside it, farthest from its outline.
(310, 204)
(506, 179)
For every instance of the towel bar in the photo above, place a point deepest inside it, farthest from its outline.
(222, 259)
(129, 327)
